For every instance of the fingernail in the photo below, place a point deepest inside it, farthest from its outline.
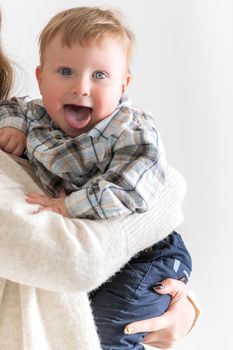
(158, 286)
(128, 330)
(182, 279)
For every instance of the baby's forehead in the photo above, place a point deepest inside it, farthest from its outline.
(110, 44)
(91, 40)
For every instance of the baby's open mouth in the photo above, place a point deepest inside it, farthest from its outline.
(77, 117)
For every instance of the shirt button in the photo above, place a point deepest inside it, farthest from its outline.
(58, 137)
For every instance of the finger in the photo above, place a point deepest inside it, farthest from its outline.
(36, 195)
(171, 287)
(2, 132)
(7, 143)
(18, 150)
(34, 198)
(62, 193)
(149, 325)
(55, 210)
(162, 336)
(161, 340)
(159, 344)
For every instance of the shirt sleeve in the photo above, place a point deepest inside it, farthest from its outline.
(13, 113)
(135, 174)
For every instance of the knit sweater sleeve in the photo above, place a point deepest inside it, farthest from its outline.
(48, 251)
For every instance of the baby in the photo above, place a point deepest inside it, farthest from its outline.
(98, 155)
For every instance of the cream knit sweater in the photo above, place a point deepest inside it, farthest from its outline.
(48, 263)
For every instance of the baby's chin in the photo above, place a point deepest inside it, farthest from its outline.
(73, 132)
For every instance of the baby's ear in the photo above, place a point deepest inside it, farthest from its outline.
(126, 81)
(38, 77)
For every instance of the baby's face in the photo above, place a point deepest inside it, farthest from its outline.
(81, 85)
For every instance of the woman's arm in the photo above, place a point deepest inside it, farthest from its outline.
(48, 251)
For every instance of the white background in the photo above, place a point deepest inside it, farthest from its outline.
(183, 74)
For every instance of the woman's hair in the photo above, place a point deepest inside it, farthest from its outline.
(86, 24)
(6, 73)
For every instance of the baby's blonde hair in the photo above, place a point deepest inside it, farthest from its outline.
(86, 24)
(6, 73)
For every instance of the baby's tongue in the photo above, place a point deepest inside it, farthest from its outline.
(77, 116)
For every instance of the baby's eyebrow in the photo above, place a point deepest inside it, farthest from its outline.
(106, 66)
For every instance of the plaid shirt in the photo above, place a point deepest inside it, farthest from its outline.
(113, 169)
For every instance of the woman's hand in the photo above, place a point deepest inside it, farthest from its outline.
(174, 324)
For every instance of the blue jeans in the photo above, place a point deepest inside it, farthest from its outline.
(129, 295)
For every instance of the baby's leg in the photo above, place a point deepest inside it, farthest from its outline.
(129, 295)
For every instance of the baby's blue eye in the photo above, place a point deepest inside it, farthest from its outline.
(99, 75)
(65, 71)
